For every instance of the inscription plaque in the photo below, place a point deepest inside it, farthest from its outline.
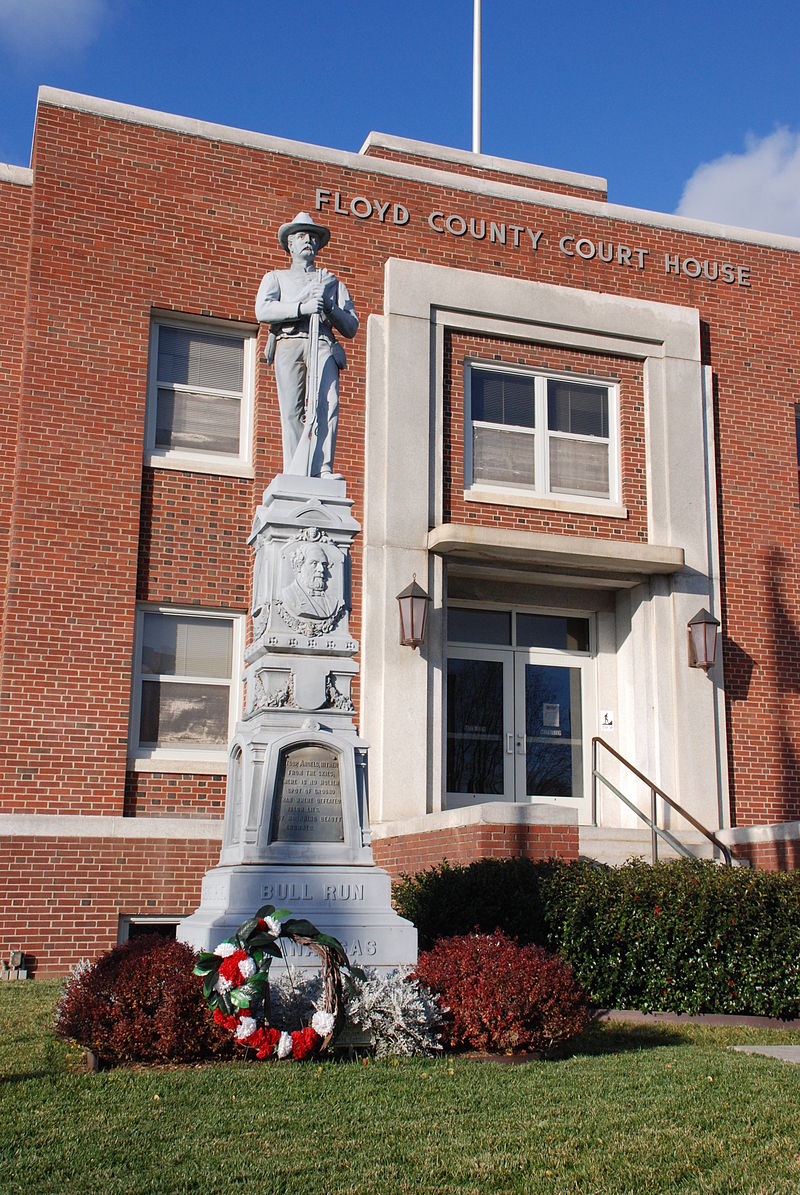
(308, 796)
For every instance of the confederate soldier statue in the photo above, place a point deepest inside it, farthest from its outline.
(303, 306)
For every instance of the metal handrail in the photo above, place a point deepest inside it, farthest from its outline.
(655, 831)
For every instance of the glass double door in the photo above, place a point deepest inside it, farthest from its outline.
(516, 726)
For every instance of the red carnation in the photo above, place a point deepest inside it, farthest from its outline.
(229, 967)
(304, 1042)
(266, 1043)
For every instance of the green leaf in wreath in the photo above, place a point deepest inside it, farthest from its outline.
(259, 982)
(207, 956)
(208, 984)
(240, 997)
(335, 945)
(281, 914)
(265, 911)
(202, 968)
(247, 928)
(299, 925)
(263, 942)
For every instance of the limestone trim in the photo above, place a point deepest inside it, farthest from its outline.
(19, 176)
(491, 813)
(472, 541)
(444, 178)
(463, 157)
(53, 825)
(741, 835)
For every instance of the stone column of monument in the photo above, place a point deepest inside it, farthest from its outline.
(296, 828)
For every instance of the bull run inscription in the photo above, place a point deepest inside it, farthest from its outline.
(308, 799)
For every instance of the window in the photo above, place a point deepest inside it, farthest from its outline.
(200, 404)
(548, 436)
(143, 926)
(186, 672)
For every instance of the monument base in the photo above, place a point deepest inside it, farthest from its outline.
(353, 904)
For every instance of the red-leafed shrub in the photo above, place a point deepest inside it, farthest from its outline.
(503, 996)
(140, 1002)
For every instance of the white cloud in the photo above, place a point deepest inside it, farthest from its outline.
(759, 188)
(44, 28)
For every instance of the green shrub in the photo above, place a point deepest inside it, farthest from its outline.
(681, 936)
(446, 900)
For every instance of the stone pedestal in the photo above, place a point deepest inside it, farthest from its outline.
(296, 830)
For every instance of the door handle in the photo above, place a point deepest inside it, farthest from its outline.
(509, 744)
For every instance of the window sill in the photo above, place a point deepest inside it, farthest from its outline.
(185, 463)
(187, 765)
(568, 504)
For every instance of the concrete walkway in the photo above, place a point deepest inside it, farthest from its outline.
(684, 1018)
(786, 1053)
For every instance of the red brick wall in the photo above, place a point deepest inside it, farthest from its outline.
(129, 218)
(15, 231)
(463, 844)
(460, 346)
(171, 794)
(64, 896)
(502, 176)
(770, 856)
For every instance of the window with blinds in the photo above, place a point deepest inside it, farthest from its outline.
(540, 434)
(200, 394)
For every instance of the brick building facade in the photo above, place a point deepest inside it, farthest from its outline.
(575, 422)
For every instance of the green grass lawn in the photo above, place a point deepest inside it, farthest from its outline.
(631, 1109)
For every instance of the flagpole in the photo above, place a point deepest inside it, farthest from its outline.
(476, 80)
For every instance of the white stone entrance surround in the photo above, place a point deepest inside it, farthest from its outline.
(670, 719)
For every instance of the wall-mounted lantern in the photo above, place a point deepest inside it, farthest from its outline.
(413, 603)
(703, 630)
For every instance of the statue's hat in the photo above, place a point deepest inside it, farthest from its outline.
(303, 222)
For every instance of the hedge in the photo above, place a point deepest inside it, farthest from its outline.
(685, 936)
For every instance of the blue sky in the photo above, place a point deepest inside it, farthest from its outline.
(686, 106)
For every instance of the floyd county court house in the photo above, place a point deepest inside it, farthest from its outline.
(573, 421)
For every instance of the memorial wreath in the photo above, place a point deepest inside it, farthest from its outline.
(236, 985)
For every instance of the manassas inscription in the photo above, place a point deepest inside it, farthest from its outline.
(308, 798)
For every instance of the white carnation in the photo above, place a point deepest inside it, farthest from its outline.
(285, 1046)
(225, 949)
(245, 1028)
(273, 926)
(323, 1023)
(222, 985)
(247, 968)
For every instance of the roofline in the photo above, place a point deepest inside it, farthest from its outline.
(405, 170)
(21, 176)
(462, 157)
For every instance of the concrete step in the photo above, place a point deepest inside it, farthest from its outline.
(616, 845)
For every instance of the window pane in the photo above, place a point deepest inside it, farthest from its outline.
(502, 397)
(553, 736)
(195, 358)
(179, 713)
(181, 645)
(547, 630)
(503, 456)
(579, 467)
(579, 410)
(475, 726)
(201, 422)
(478, 626)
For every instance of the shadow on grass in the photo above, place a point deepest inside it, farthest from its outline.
(617, 1038)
